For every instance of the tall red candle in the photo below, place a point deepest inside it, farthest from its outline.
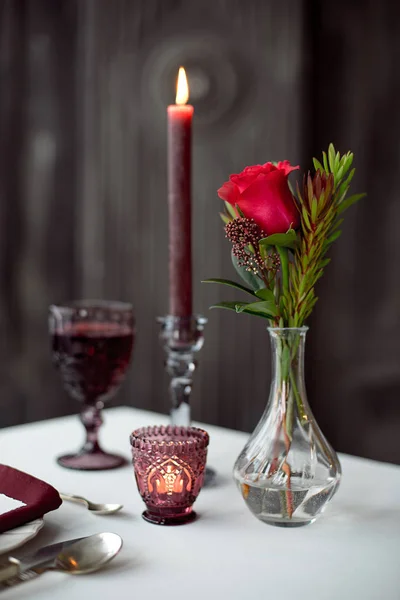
(179, 201)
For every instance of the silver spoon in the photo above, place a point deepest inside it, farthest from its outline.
(85, 556)
(88, 555)
(97, 509)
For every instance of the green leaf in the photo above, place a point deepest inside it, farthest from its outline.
(339, 175)
(233, 284)
(251, 280)
(264, 308)
(345, 184)
(348, 161)
(314, 209)
(349, 202)
(299, 196)
(239, 211)
(324, 158)
(244, 307)
(333, 237)
(337, 224)
(331, 157)
(283, 304)
(290, 187)
(225, 218)
(286, 240)
(228, 305)
(306, 218)
(337, 162)
(266, 294)
(230, 210)
(264, 251)
(324, 262)
(317, 165)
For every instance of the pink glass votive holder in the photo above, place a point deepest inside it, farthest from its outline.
(169, 465)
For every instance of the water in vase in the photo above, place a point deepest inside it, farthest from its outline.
(286, 507)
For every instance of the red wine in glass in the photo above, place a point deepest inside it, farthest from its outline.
(92, 346)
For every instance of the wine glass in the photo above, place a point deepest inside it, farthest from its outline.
(92, 344)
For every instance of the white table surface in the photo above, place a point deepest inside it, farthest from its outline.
(351, 552)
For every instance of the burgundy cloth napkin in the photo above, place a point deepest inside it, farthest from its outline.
(39, 497)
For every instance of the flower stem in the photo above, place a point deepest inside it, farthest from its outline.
(286, 469)
(284, 368)
(288, 385)
(283, 255)
(299, 403)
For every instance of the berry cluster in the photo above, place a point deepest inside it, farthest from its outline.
(245, 234)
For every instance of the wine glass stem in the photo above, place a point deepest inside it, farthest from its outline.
(92, 420)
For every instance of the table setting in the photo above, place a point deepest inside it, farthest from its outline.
(351, 552)
(162, 505)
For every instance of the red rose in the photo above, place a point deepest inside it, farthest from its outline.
(263, 194)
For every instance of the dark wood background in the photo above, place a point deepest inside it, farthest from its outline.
(83, 93)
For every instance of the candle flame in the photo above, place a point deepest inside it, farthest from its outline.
(182, 88)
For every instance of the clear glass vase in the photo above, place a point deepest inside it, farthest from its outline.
(287, 472)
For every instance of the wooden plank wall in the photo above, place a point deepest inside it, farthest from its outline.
(355, 341)
(83, 94)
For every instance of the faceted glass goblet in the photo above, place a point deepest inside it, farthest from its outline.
(169, 465)
(92, 345)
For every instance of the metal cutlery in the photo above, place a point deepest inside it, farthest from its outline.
(77, 557)
(9, 567)
(97, 509)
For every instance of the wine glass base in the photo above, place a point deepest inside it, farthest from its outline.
(95, 461)
(160, 520)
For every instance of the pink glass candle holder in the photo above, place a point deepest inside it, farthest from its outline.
(169, 465)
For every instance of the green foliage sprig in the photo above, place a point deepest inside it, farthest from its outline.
(286, 295)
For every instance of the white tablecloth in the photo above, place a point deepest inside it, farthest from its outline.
(352, 552)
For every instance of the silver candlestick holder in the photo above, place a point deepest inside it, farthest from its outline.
(182, 338)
